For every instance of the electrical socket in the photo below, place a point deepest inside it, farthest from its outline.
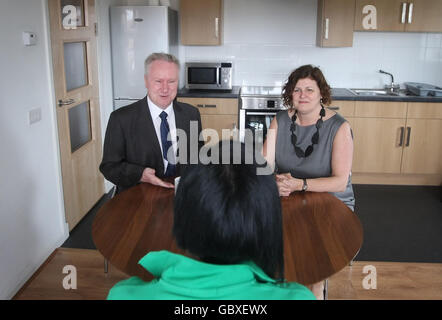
(34, 115)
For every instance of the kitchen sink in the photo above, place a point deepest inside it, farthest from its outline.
(373, 92)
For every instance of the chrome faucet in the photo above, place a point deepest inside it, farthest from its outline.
(393, 87)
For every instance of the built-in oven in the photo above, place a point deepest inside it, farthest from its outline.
(258, 107)
(208, 75)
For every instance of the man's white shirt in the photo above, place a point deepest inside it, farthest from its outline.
(155, 112)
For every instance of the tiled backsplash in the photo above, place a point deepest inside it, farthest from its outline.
(266, 40)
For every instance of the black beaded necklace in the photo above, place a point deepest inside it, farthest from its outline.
(315, 138)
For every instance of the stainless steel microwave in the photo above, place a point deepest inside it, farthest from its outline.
(209, 75)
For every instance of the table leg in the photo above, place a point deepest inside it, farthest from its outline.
(106, 265)
(326, 289)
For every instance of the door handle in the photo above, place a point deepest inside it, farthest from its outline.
(410, 12)
(327, 24)
(62, 103)
(401, 137)
(404, 10)
(407, 144)
(217, 28)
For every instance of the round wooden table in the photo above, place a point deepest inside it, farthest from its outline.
(321, 235)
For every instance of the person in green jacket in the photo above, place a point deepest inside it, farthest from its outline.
(228, 219)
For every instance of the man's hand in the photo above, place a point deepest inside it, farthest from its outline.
(149, 176)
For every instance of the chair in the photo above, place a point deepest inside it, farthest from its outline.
(106, 262)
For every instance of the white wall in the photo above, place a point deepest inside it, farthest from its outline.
(32, 220)
(105, 64)
(268, 39)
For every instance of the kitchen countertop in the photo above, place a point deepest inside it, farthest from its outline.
(337, 94)
(345, 94)
(234, 93)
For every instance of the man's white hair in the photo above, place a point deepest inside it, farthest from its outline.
(159, 56)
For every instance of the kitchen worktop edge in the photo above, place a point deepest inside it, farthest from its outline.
(337, 94)
(344, 94)
(229, 94)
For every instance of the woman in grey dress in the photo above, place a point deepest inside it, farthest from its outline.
(310, 147)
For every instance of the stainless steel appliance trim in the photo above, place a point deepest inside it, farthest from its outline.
(242, 124)
(263, 113)
(218, 76)
(222, 73)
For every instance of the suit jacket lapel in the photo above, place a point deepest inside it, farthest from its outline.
(149, 135)
(180, 119)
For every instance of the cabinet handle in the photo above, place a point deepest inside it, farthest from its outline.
(410, 12)
(404, 10)
(217, 28)
(408, 136)
(206, 105)
(333, 108)
(401, 138)
(326, 28)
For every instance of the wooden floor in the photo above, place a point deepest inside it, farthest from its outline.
(393, 280)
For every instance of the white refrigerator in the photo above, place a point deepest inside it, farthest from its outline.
(136, 32)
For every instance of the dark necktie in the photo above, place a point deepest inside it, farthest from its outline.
(167, 144)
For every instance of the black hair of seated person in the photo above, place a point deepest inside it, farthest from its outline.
(227, 214)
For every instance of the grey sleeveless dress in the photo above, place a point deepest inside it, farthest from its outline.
(318, 164)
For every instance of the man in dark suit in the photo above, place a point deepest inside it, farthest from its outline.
(136, 147)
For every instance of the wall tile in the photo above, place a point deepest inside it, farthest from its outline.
(268, 39)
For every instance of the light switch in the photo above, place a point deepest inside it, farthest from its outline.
(29, 38)
(34, 115)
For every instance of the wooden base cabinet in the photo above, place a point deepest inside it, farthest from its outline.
(395, 142)
(423, 146)
(378, 136)
(218, 114)
(377, 145)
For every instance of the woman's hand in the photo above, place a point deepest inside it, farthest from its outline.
(287, 184)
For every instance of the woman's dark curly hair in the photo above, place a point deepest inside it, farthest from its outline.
(306, 71)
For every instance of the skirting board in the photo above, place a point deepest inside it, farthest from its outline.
(32, 269)
(397, 179)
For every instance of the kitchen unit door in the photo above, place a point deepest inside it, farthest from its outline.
(335, 23)
(422, 147)
(398, 15)
(74, 61)
(377, 145)
(344, 108)
(423, 144)
(424, 16)
(218, 114)
(380, 15)
(378, 129)
(201, 22)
